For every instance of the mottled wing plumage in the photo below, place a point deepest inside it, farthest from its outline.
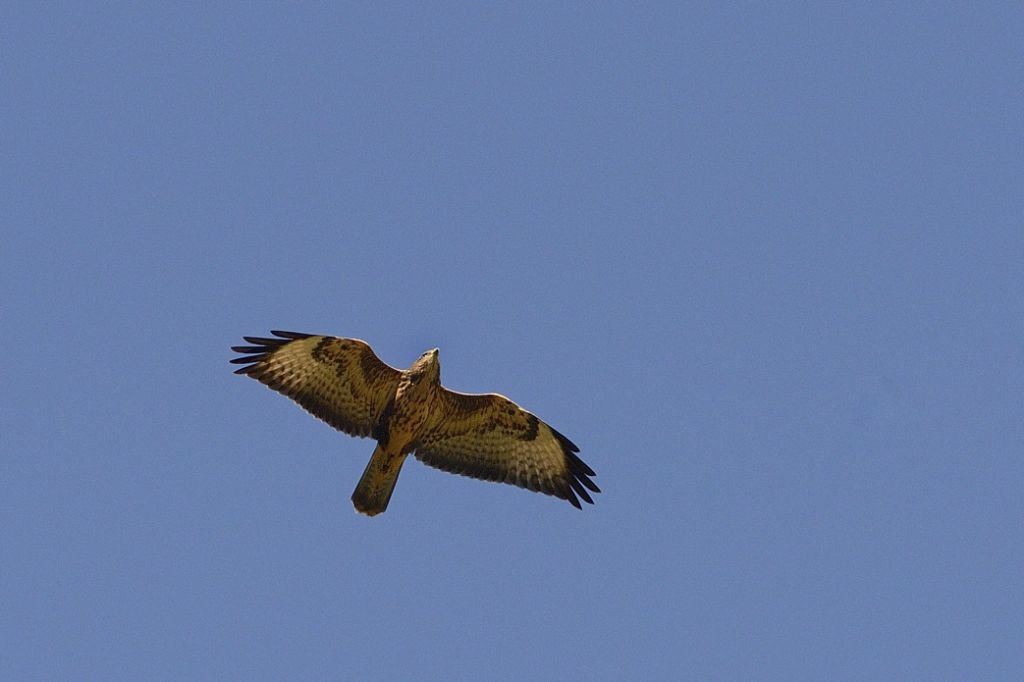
(491, 438)
(338, 380)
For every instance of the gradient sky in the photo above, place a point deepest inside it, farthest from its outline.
(764, 263)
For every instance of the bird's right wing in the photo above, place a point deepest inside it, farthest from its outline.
(338, 380)
(488, 436)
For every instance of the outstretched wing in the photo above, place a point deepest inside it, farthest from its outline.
(340, 381)
(490, 437)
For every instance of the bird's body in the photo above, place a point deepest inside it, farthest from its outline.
(485, 436)
(397, 432)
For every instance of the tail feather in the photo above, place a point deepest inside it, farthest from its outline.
(373, 492)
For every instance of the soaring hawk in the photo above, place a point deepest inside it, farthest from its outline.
(485, 436)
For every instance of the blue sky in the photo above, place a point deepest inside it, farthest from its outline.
(763, 263)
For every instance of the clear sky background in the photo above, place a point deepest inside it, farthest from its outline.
(763, 263)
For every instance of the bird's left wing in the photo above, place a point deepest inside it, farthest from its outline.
(341, 381)
(490, 437)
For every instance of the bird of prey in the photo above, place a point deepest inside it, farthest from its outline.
(486, 436)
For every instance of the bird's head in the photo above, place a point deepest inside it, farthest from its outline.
(427, 366)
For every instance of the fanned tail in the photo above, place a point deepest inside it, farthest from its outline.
(373, 492)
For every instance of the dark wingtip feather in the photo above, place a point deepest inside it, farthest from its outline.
(248, 358)
(264, 341)
(261, 349)
(290, 335)
(578, 464)
(572, 499)
(577, 473)
(581, 491)
(566, 443)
